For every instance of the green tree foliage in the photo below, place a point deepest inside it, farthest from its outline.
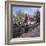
(19, 17)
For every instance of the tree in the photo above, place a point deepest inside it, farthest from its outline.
(26, 18)
(38, 16)
(19, 17)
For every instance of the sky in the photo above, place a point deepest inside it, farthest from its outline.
(27, 10)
